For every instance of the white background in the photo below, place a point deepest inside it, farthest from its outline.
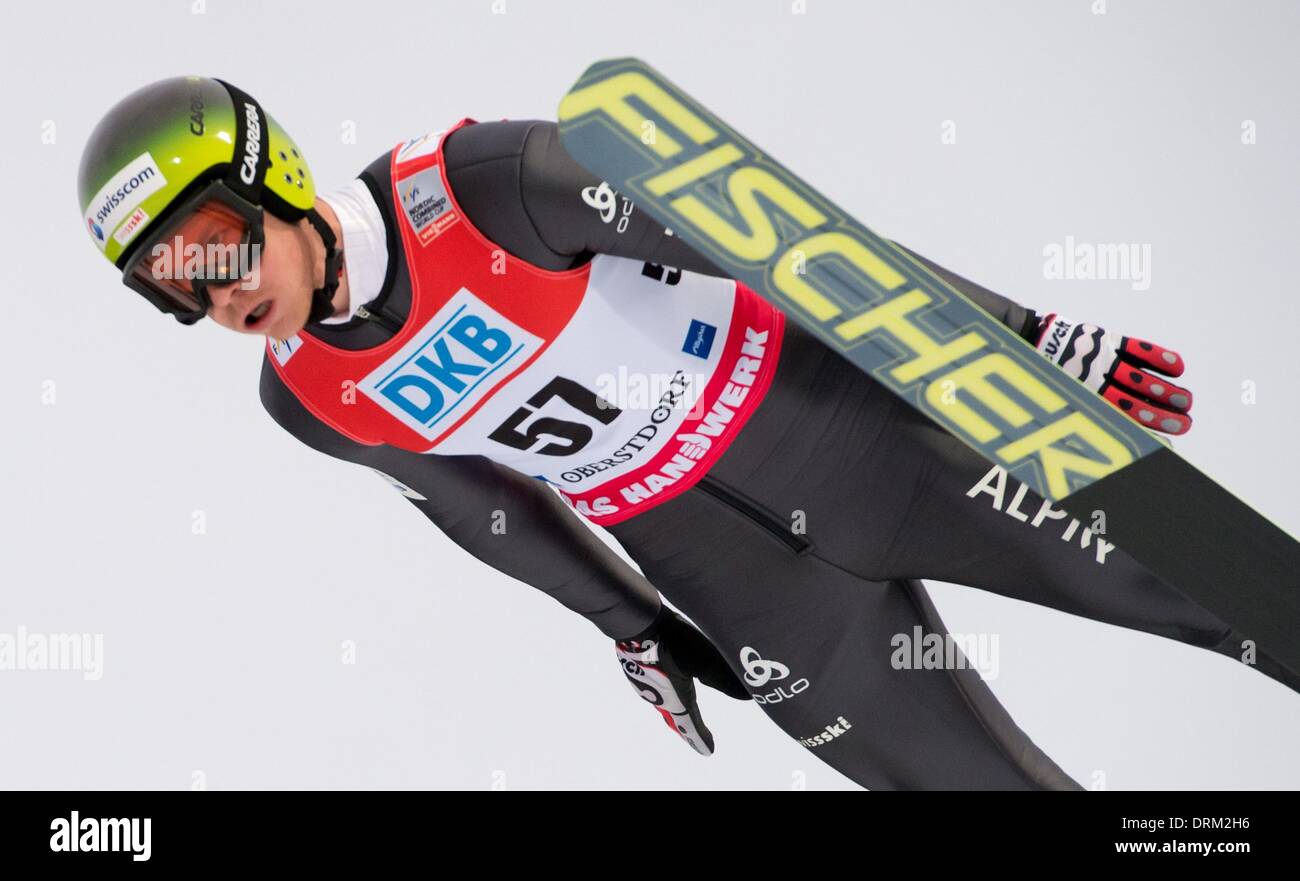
(222, 651)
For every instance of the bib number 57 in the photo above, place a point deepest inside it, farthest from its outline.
(576, 435)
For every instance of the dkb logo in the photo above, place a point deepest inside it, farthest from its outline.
(455, 360)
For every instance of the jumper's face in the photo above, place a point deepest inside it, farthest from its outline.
(277, 302)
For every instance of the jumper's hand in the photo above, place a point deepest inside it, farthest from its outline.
(1112, 366)
(663, 663)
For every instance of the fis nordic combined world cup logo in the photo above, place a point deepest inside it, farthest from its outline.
(426, 204)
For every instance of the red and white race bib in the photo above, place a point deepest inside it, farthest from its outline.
(619, 383)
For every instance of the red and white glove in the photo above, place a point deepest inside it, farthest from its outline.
(667, 678)
(1113, 367)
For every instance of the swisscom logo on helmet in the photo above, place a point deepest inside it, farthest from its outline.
(116, 200)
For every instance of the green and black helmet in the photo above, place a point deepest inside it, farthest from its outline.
(185, 148)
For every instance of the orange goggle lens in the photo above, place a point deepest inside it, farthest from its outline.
(211, 246)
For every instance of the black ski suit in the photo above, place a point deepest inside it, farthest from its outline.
(811, 612)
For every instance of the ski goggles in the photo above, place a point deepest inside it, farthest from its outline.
(213, 238)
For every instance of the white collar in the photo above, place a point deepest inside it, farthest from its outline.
(365, 244)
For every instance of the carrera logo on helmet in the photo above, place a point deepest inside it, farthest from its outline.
(120, 196)
(196, 112)
(252, 144)
(456, 360)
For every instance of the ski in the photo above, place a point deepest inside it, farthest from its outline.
(933, 347)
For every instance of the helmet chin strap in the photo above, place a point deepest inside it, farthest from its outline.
(322, 299)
